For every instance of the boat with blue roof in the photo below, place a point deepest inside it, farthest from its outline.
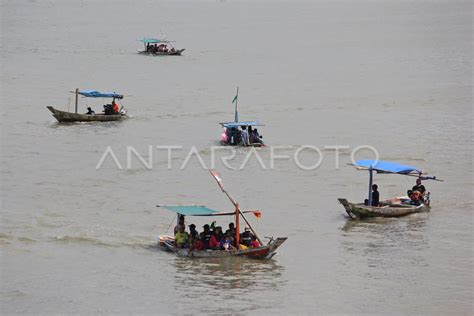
(234, 132)
(399, 206)
(159, 47)
(112, 111)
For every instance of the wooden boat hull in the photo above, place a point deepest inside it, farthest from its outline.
(69, 117)
(263, 252)
(175, 53)
(251, 145)
(360, 210)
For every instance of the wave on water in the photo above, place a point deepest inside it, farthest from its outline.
(99, 242)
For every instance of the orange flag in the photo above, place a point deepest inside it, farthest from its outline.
(257, 214)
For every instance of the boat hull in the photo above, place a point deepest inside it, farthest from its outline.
(223, 143)
(263, 252)
(69, 117)
(175, 53)
(361, 211)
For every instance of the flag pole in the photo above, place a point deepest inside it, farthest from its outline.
(236, 101)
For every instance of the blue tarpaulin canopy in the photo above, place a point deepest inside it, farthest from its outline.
(386, 166)
(191, 210)
(153, 41)
(97, 94)
(238, 124)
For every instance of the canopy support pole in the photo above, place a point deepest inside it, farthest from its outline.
(237, 225)
(77, 98)
(251, 228)
(371, 179)
(236, 100)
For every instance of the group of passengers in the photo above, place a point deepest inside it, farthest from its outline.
(162, 48)
(416, 195)
(109, 109)
(244, 137)
(212, 237)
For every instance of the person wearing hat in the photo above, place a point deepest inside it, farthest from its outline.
(206, 236)
(246, 237)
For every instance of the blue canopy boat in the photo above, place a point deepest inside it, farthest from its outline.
(262, 252)
(396, 207)
(159, 47)
(109, 114)
(231, 136)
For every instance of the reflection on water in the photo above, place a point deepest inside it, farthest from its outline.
(240, 283)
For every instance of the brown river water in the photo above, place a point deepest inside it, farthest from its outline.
(393, 75)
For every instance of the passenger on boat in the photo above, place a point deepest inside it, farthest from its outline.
(375, 196)
(419, 187)
(227, 242)
(244, 135)
(115, 107)
(180, 224)
(173, 50)
(234, 136)
(255, 137)
(193, 233)
(181, 239)
(246, 237)
(231, 230)
(197, 244)
(416, 198)
(214, 243)
(108, 109)
(254, 243)
(218, 233)
(90, 111)
(206, 236)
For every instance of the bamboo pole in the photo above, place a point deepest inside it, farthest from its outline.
(77, 98)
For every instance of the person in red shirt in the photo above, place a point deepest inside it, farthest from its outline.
(254, 243)
(197, 244)
(214, 243)
(116, 107)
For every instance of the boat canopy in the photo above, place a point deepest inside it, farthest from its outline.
(147, 40)
(97, 94)
(191, 210)
(238, 124)
(386, 166)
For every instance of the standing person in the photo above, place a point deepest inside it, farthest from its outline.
(375, 195)
(419, 187)
(244, 136)
(180, 224)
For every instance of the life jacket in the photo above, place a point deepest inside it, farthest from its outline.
(205, 237)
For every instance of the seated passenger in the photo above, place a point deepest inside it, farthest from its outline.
(246, 237)
(254, 243)
(218, 233)
(108, 109)
(115, 107)
(244, 136)
(214, 244)
(206, 236)
(256, 138)
(193, 233)
(197, 244)
(416, 198)
(227, 242)
(89, 111)
(181, 239)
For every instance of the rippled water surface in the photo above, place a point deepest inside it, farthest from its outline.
(395, 75)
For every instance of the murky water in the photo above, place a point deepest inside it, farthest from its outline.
(395, 75)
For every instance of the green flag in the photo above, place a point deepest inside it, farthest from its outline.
(235, 98)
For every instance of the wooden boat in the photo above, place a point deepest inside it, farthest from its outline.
(385, 209)
(159, 47)
(265, 251)
(396, 207)
(231, 136)
(69, 117)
